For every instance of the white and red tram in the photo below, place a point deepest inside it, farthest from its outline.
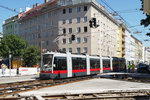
(63, 65)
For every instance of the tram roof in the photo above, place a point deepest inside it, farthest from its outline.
(74, 55)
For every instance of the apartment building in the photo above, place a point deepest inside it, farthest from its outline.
(10, 25)
(146, 55)
(127, 46)
(55, 21)
(94, 41)
(132, 49)
(138, 51)
(40, 25)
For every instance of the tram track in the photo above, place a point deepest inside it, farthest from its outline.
(11, 89)
(99, 96)
(119, 95)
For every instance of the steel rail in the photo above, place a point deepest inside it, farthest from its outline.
(11, 89)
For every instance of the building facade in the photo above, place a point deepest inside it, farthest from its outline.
(138, 51)
(127, 46)
(146, 55)
(10, 26)
(54, 22)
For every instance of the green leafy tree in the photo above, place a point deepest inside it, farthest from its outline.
(12, 44)
(31, 56)
(145, 21)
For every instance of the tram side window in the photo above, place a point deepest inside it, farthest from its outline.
(78, 63)
(60, 63)
(115, 63)
(106, 63)
(122, 64)
(94, 63)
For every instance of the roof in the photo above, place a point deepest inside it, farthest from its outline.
(38, 7)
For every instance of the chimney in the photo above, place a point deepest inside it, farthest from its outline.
(46, 1)
(34, 6)
(37, 4)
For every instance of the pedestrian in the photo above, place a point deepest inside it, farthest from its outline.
(133, 66)
(3, 69)
(129, 66)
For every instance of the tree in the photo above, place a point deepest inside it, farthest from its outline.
(145, 21)
(12, 44)
(31, 56)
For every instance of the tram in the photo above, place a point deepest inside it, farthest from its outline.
(63, 65)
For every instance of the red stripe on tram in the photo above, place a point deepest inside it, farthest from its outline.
(79, 70)
(97, 69)
(106, 68)
(60, 72)
(45, 72)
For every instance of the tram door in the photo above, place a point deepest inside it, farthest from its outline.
(69, 65)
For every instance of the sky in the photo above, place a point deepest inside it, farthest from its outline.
(127, 9)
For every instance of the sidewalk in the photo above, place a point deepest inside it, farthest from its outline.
(139, 75)
(19, 78)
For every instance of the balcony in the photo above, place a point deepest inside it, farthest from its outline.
(123, 39)
(123, 46)
(123, 34)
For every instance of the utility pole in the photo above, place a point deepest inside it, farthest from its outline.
(10, 62)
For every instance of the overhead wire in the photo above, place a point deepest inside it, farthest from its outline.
(114, 11)
(13, 10)
(129, 10)
(142, 37)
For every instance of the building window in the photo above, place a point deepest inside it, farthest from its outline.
(52, 32)
(78, 29)
(70, 21)
(64, 31)
(85, 29)
(85, 49)
(46, 34)
(37, 18)
(70, 41)
(39, 27)
(46, 25)
(70, 1)
(70, 30)
(47, 43)
(85, 19)
(78, 19)
(70, 50)
(39, 36)
(46, 16)
(85, 8)
(78, 39)
(52, 14)
(78, 9)
(64, 21)
(39, 44)
(64, 11)
(52, 23)
(70, 10)
(64, 41)
(85, 39)
(64, 49)
(79, 50)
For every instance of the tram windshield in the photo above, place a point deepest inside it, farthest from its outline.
(47, 60)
